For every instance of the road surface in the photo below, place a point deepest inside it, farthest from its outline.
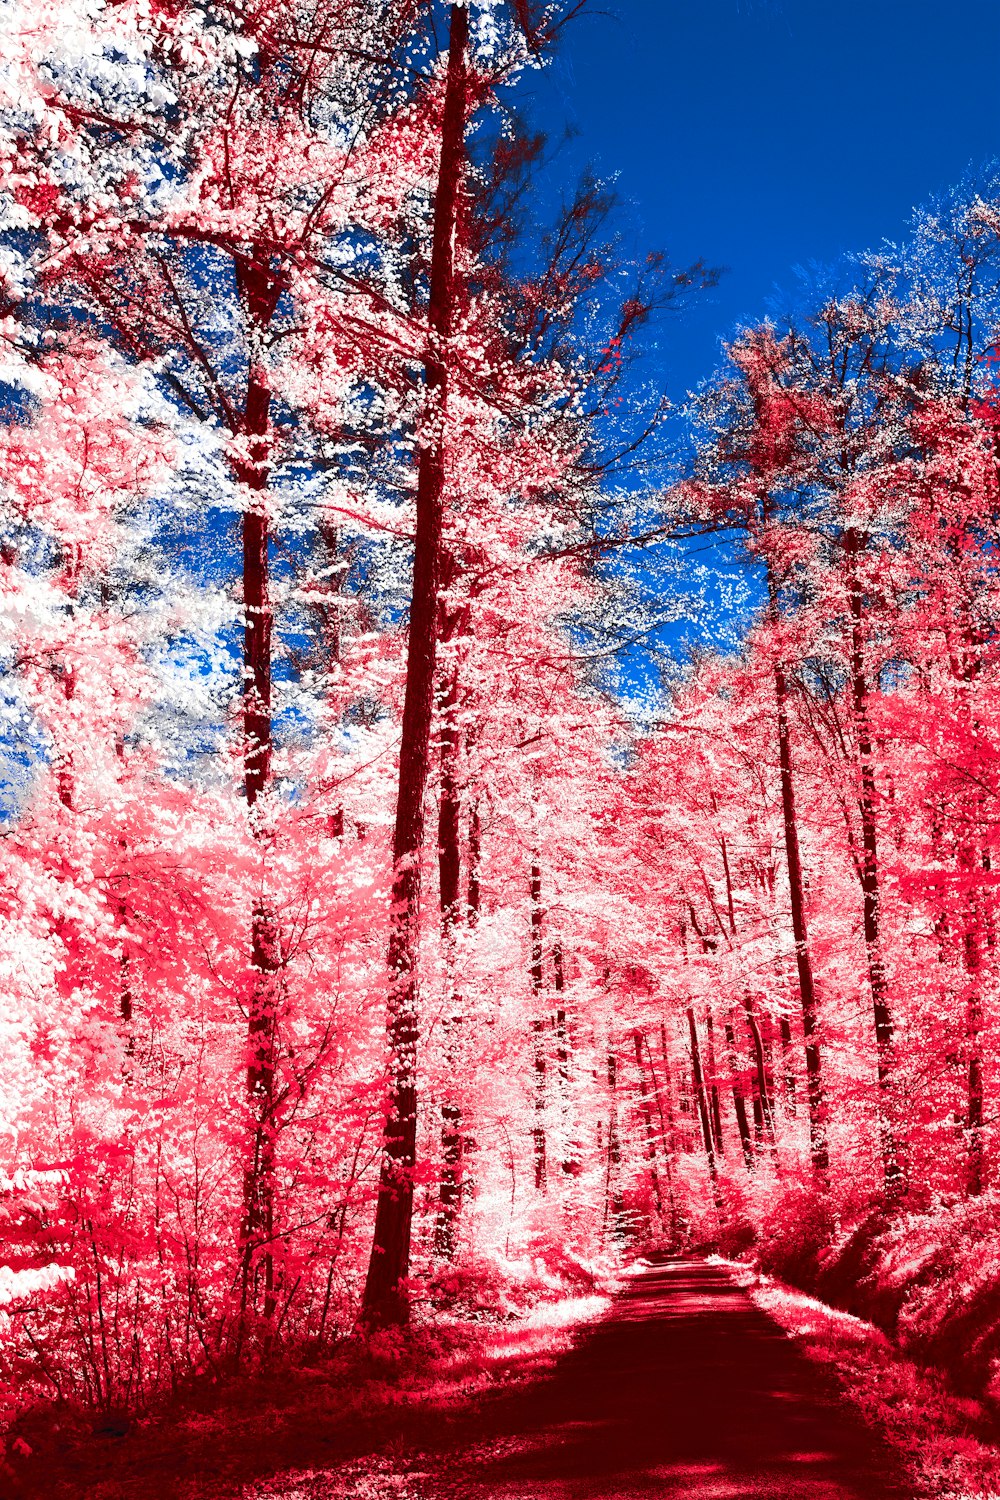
(684, 1390)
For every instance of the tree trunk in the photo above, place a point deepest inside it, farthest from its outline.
(892, 1168)
(331, 609)
(700, 1095)
(259, 294)
(730, 904)
(667, 1096)
(125, 996)
(647, 1119)
(665, 1111)
(570, 1155)
(538, 1029)
(562, 1040)
(386, 1300)
(788, 1068)
(475, 863)
(819, 1149)
(739, 1098)
(63, 758)
(763, 1095)
(449, 880)
(714, 1105)
(612, 1196)
(972, 962)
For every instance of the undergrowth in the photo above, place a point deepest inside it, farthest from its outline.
(947, 1440)
(369, 1394)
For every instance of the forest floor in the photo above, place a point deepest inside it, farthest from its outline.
(947, 1441)
(350, 1406)
(685, 1389)
(701, 1380)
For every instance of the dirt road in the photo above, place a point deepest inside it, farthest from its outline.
(684, 1390)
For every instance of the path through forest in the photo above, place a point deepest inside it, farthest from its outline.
(684, 1389)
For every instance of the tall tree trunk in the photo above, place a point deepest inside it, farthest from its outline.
(259, 292)
(966, 665)
(570, 1157)
(700, 1095)
(475, 864)
(702, 1098)
(385, 1296)
(730, 903)
(449, 880)
(612, 1196)
(892, 1167)
(819, 1149)
(666, 1097)
(331, 608)
(972, 962)
(739, 1098)
(763, 1095)
(763, 1112)
(125, 995)
(562, 1040)
(647, 1120)
(665, 1112)
(714, 1105)
(538, 1029)
(787, 1065)
(63, 758)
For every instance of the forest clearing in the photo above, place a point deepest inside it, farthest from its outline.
(498, 866)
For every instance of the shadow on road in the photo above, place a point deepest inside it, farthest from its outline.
(685, 1389)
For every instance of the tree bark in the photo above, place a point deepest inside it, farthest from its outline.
(538, 1030)
(788, 1067)
(700, 1095)
(63, 758)
(475, 863)
(259, 291)
(892, 1167)
(763, 1094)
(647, 1120)
(386, 1299)
(662, 1097)
(714, 1105)
(449, 881)
(570, 1155)
(562, 1040)
(816, 1101)
(612, 1196)
(739, 1099)
(666, 1096)
(972, 962)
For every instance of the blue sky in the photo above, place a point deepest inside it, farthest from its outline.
(766, 134)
